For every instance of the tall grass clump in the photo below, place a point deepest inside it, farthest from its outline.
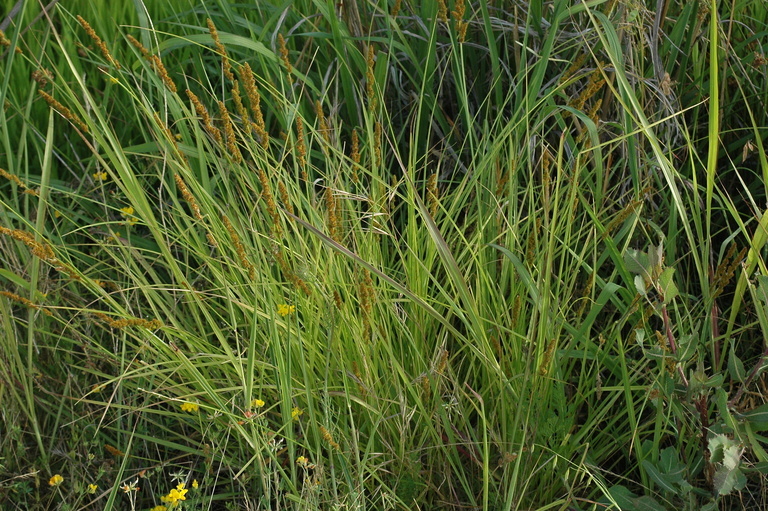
(383, 255)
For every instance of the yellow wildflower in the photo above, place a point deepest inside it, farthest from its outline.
(92, 488)
(302, 461)
(128, 215)
(174, 496)
(159, 508)
(56, 480)
(284, 309)
(100, 176)
(257, 403)
(190, 407)
(296, 412)
(195, 484)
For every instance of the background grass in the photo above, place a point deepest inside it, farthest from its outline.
(477, 255)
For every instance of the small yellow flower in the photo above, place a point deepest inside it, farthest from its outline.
(92, 488)
(284, 309)
(56, 480)
(257, 403)
(190, 407)
(56, 213)
(159, 508)
(100, 176)
(175, 495)
(127, 213)
(296, 412)
(195, 484)
(113, 79)
(302, 461)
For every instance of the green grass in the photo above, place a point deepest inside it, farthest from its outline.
(522, 251)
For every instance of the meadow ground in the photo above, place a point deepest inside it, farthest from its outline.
(383, 255)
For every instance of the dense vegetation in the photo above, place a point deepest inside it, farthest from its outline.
(383, 255)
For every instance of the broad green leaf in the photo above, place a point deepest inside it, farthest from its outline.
(640, 285)
(667, 285)
(757, 418)
(726, 454)
(637, 262)
(736, 367)
(659, 478)
(727, 480)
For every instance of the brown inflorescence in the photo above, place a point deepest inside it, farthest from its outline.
(135, 42)
(544, 367)
(289, 273)
(377, 142)
(221, 50)
(442, 11)
(153, 324)
(367, 299)
(726, 270)
(245, 119)
(40, 249)
(156, 63)
(433, 194)
(458, 15)
(594, 84)
(42, 76)
(334, 222)
(396, 8)
(322, 123)
(622, 215)
(329, 438)
(355, 155)
(284, 197)
(99, 43)
(269, 199)
(7, 175)
(370, 78)
(239, 249)
(284, 57)
(572, 69)
(206, 118)
(229, 134)
(249, 83)
(182, 186)
(301, 147)
(63, 111)
(25, 301)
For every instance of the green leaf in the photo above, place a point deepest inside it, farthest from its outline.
(727, 480)
(655, 260)
(736, 367)
(640, 285)
(761, 467)
(637, 262)
(628, 501)
(667, 285)
(659, 478)
(726, 455)
(757, 418)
